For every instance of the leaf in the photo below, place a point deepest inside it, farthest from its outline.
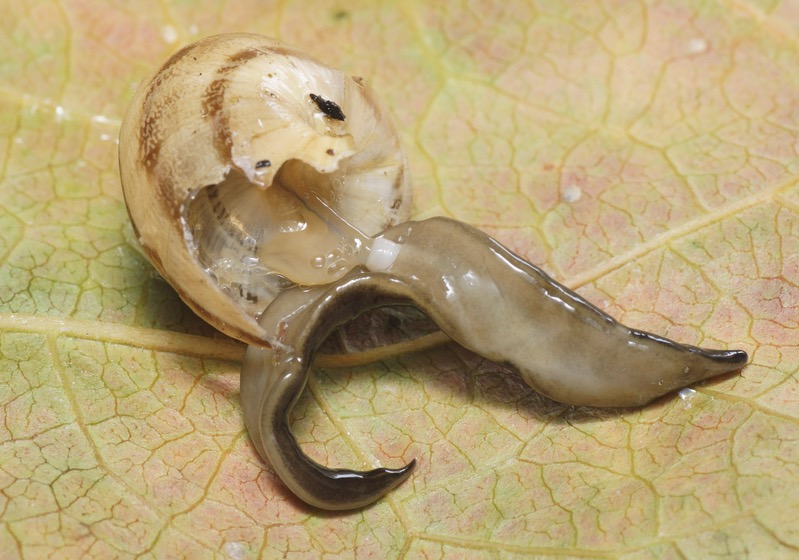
(645, 154)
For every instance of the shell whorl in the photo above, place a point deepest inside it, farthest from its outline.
(241, 113)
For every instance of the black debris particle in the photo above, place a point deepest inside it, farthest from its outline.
(329, 108)
(263, 163)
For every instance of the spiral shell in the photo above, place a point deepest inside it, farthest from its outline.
(216, 151)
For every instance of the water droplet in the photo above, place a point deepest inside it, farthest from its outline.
(223, 264)
(687, 395)
(697, 45)
(335, 268)
(334, 255)
(318, 261)
(236, 550)
(292, 226)
(571, 193)
(60, 113)
(249, 260)
(249, 241)
(169, 34)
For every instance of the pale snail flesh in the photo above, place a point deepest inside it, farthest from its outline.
(479, 293)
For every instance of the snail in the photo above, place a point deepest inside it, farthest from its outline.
(272, 192)
(222, 120)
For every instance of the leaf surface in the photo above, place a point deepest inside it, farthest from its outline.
(644, 154)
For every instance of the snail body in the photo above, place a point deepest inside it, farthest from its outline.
(271, 192)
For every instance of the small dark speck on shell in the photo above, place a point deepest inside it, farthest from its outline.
(329, 108)
(331, 152)
(263, 163)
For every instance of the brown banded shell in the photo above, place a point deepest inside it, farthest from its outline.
(217, 152)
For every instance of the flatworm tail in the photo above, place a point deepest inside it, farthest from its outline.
(272, 380)
(730, 359)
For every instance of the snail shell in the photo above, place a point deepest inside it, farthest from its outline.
(220, 150)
